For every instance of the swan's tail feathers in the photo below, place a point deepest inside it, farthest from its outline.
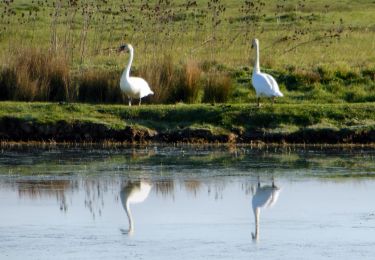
(146, 92)
(150, 92)
(279, 94)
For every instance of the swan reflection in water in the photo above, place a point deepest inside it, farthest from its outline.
(133, 192)
(263, 197)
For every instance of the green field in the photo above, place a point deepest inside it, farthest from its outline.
(211, 30)
(60, 50)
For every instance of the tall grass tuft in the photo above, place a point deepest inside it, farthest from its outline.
(98, 86)
(34, 74)
(8, 82)
(187, 86)
(173, 82)
(218, 88)
(160, 76)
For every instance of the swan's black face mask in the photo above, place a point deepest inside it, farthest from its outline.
(252, 45)
(123, 48)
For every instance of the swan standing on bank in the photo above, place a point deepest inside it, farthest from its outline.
(133, 87)
(264, 197)
(265, 85)
(133, 192)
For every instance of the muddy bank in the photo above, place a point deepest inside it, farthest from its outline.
(13, 129)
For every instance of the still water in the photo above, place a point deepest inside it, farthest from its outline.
(187, 202)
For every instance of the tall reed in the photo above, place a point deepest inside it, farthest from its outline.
(218, 88)
(99, 86)
(34, 74)
(187, 86)
(173, 82)
(160, 74)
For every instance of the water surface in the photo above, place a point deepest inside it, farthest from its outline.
(186, 203)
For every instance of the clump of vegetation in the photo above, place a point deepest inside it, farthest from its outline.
(173, 82)
(35, 75)
(99, 86)
(188, 83)
(160, 74)
(218, 88)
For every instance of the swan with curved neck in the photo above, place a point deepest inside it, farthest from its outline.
(133, 87)
(265, 85)
(133, 192)
(264, 197)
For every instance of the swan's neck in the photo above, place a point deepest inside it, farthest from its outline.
(130, 218)
(126, 72)
(256, 214)
(256, 64)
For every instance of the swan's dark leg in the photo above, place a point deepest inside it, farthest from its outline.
(273, 100)
(140, 99)
(258, 181)
(125, 231)
(273, 182)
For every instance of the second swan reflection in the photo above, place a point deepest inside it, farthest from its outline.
(133, 192)
(263, 197)
(137, 191)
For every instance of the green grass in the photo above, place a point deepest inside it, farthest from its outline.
(280, 118)
(51, 113)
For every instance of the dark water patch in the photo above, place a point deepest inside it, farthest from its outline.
(350, 175)
(197, 160)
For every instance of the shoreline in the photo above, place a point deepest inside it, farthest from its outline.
(15, 130)
(119, 145)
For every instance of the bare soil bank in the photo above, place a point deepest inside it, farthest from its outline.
(15, 129)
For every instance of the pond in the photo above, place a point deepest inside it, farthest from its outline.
(187, 202)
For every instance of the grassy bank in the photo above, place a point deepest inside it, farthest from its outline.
(291, 123)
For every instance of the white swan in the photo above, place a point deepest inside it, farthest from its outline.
(265, 85)
(133, 87)
(133, 192)
(264, 197)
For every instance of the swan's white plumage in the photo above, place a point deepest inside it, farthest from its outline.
(264, 197)
(133, 87)
(133, 193)
(264, 84)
